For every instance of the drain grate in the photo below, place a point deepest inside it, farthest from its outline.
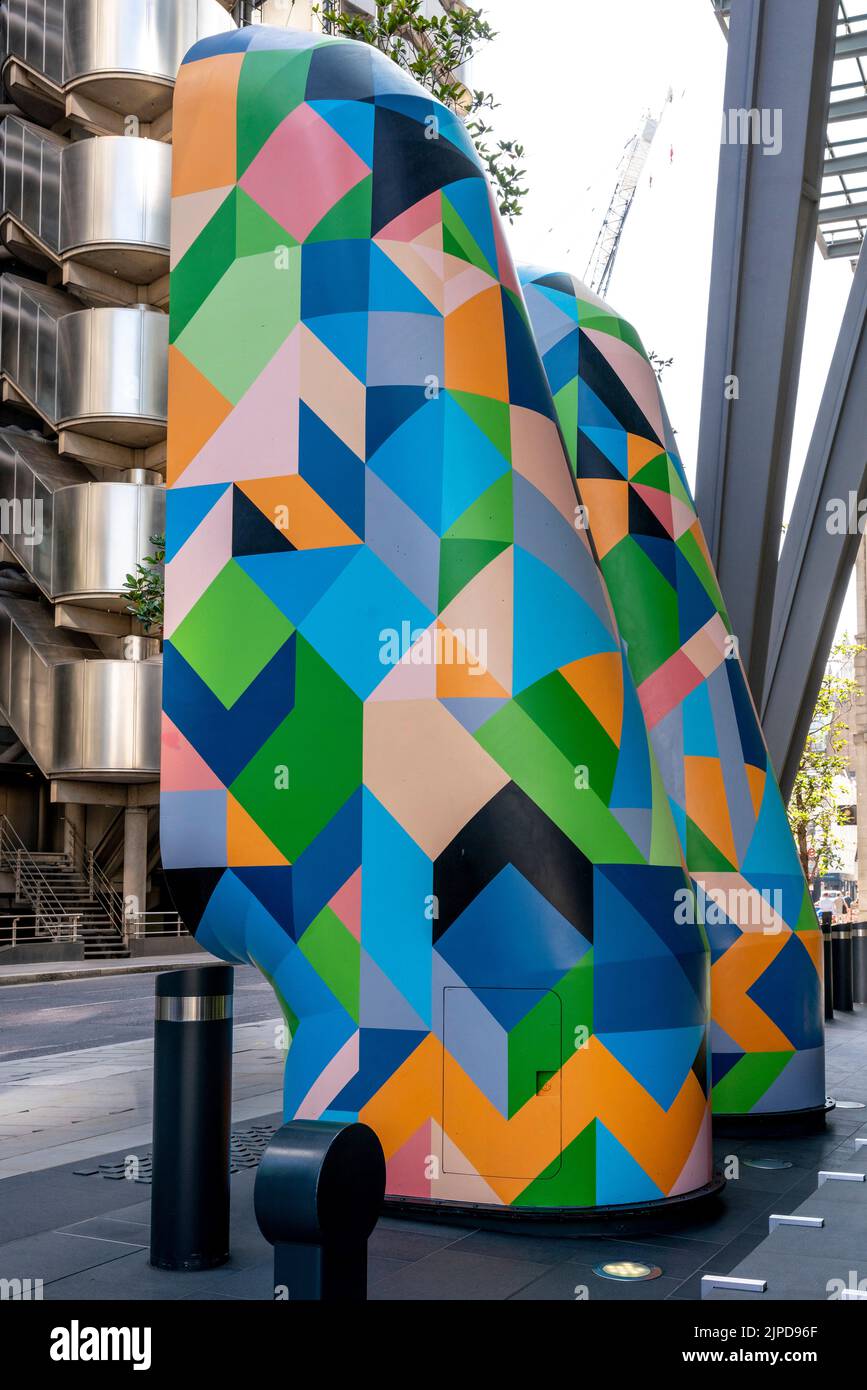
(246, 1150)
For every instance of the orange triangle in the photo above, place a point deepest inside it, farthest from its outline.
(298, 512)
(458, 675)
(476, 347)
(707, 803)
(756, 780)
(196, 411)
(599, 681)
(247, 844)
(607, 503)
(641, 451)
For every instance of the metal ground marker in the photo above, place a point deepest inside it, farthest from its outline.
(709, 1282)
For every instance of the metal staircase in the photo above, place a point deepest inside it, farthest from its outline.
(64, 888)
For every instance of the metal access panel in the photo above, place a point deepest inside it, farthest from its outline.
(508, 1042)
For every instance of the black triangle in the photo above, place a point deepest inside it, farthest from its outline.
(191, 891)
(252, 532)
(511, 829)
(407, 166)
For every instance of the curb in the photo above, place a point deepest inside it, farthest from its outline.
(91, 972)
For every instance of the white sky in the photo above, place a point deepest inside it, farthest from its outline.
(574, 78)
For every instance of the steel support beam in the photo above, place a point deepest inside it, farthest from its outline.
(851, 109)
(780, 60)
(817, 560)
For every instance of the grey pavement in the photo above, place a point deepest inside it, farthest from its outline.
(93, 969)
(86, 1237)
(74, 1013)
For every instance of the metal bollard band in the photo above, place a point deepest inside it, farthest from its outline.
(859, 932)
(841, 934)
(192, 1008)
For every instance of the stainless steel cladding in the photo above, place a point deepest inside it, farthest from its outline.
(81, 197)
(79, 714)
(77, 538)
(99, 45)
(101, 371)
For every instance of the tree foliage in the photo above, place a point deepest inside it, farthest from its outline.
(434, 49)
(145, 590)
(814, 809)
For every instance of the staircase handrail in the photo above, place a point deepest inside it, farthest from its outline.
(49, 910)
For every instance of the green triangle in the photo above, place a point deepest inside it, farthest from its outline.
(747, 1081)
(692, 552)
(461, 561)
(702, 854)
(628, 569)
(676, 487)
(566, 402)
(491, 417)
(271, 84)
(257, 232)
(350, 218)
(459, 241)
(655, 473)
(489, 518)
(570, 1181)
(202, 267)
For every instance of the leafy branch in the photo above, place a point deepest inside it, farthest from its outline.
(145, 590)
(434, 49)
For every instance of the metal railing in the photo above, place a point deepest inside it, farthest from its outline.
(142, 924)
(31, 884)
(99, 886)
(28, 927)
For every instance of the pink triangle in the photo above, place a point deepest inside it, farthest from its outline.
(406, 1170)
(260, 437)
(346, 904)
(658, 502)
(417, 219)
(182, 769)
(698, 1169)
(409, 680)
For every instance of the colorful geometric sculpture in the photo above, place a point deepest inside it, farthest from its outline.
(405, 769)
(766, 999)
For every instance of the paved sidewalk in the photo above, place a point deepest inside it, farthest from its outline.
(76, 1105)
(91, 969)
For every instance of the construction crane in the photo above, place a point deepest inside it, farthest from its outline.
(601, 263)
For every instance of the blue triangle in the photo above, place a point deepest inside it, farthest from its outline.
(296, 580)
(553, 624)
(660, 1060)
(186, 508)
(390, 290)
(772, 848)
(354, 122)
(471, 463)
(410, 461)
(619, 1179)
(346, 336)
(470, 200)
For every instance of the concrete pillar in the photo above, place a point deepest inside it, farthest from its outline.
(858, 723)
(74, 823)
(135, 859)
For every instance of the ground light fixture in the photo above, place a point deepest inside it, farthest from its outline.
(627, 1270)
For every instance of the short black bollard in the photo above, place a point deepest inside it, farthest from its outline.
(318, 1195)
(828, 962)
(192, 1118)
(859, 962)
(841, 937)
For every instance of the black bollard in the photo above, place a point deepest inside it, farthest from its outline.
(841, 938)
(192, 1118)
(828, 961)
(318, 1195)
(859, 963)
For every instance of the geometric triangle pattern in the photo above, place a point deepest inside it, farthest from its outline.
(765, 945)
(406, 771)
